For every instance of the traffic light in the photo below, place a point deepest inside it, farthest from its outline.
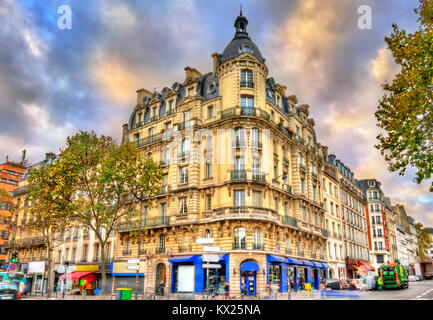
(14, 257)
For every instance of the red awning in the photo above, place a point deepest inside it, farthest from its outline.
(77, 275)
(367, 265)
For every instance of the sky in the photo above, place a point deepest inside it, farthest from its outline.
(55, 82)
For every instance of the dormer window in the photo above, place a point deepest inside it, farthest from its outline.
(190, 91)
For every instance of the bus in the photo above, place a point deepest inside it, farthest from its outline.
(17, 278)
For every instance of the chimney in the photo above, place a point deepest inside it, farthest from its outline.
(215, 61)
(49, 155)
(141, 93)
(191, 73)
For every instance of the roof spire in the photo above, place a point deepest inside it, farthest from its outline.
(241, 9)
(241, 26)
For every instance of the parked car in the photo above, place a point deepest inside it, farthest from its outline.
(370, 281)
(428, 275)
(419, 278)
(334, 284)
(412, 278)
(9, 291)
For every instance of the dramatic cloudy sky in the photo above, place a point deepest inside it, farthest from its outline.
(54, 82)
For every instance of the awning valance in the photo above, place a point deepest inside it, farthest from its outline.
(367, 265)
(77, 275)
(294, 261)
(182, 259)
(272, 258)
(307, 263)
(249, 266)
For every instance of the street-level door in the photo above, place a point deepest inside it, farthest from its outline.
(248, 283)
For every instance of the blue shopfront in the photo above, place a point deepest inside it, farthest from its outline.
(293, 273)
(189, 276)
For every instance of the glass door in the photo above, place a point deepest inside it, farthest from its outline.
(248, 283)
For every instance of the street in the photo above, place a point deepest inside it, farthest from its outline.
(422, 290)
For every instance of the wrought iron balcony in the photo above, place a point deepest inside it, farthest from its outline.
(325, 233)
(247, 84)
(238, 175)
(249, 111)
(246, 212)
(264, 115)
(126, 252)
(157, 221)
(148, 140)
(239, 245)
(169, 112)
(160, 250)
(286, 132)
(258, 176)
(285, 161)
(301, 140)
(288, 188)
(228, 113)
(258, 246)
(154, 118)
(290, 221)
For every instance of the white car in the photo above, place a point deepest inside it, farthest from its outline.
(412, 278)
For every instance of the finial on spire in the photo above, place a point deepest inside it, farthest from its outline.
(241, 9)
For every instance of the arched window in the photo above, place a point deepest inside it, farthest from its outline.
(239, 238)
(258, 239)
(207, 233)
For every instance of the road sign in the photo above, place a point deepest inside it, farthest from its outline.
(134, 261)
(132, 267)
(211, 249)
(211, 258)
(12, 267)
(204, 240)
(211, 266)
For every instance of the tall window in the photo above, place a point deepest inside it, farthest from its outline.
(286, 208)
(258, 239)
(304, 213)
(239, 198)
(161, 243)
(314, 192)
(183, 205)
(84, 257)
(163, 209)
(247, 105)
(239, 238)
(185, 147)
(207, 233)
(208, 202)
(208, 170)
(257, 198)
(302, 185)
(183, 174)
(247, 79)
(210, 111)
(166, 155)
(239, 137)
(240, 163)
(255, 137)
(256, 166)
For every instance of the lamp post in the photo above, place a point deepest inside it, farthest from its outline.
(139, 249)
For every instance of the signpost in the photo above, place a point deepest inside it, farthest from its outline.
(137, 267)
(209, 257)
(211, 249)
(211, 266)
(204, 240)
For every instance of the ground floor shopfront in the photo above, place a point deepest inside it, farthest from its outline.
(246, 274)
(337, 270)
(356, 268)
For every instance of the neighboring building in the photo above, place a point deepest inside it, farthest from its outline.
(257, 192)
(29, 245)
(391, 217)
(403, 235)
(10, 175)
(429, 252)
(353, 221)
(378, 213)
(333, 220)
(412, 246)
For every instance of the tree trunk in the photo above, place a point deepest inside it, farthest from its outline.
(50, 279)
(103, 275)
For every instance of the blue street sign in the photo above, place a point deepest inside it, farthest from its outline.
(12, 267)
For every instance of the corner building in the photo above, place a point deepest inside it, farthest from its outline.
(242, 166)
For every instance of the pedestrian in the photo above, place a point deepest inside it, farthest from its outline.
(161, 288)
(227, 290)
(380, 283)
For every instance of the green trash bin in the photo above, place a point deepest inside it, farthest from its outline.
(126, 293)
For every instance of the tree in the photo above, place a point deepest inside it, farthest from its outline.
(48, 216)
(95, 172)
(143, 179)
(405, 111)
(422, 235)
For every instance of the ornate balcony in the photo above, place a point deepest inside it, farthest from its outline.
(247, 84)
(148, 140)
(325, 233)
(259, 246)
(290, 221)
(245, 212)
(285, 161)
(238, 175)
(288, 188)
(244, 175)
(239, 245)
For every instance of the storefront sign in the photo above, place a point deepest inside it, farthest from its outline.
(211, 249)
(211, 266)
(211, 258)
(121, 269)
(37, 267)
(89, 267)
(132, 267)
(204, 240)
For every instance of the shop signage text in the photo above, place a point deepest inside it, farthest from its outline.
(211, 266)
(212, 249)
(204, 240)
(211, 258)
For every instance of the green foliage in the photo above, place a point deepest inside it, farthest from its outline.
(405, 111)
(423, 238)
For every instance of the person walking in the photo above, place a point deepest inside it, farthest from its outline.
(161, 288)
(380, 283)
(227, 290)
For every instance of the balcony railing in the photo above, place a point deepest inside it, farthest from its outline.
(325, 233)
(301, 253)
(126, 252)
(258, 176)
(228, 113)
(183, 154)
(256, 144)
(258, 246)
(246, 212)
(160, 250)
(264, 115)
(301, 140)
(157, 221)
(249, 111)
(288, 188)
(238, 175)
(247, 84)
(285, 132)
(169, 112)
(314, 175)
(290, 221)
(148, 140)
(285, 161)
(239, 245)
(154, 118)
(288, 250)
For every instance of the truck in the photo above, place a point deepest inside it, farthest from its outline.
(394, 276)
(426, 269)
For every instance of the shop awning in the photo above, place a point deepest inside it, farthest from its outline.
(316, 264)
(272, 258)
(294, 261)
(182, 259)
(307, 263)
(249, 266)
(367, 265)
(77, 275)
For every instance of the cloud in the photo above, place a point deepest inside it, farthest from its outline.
(383, 66)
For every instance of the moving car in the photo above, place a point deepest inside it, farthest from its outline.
(412, 278)
(334, 284)
(9, 291)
